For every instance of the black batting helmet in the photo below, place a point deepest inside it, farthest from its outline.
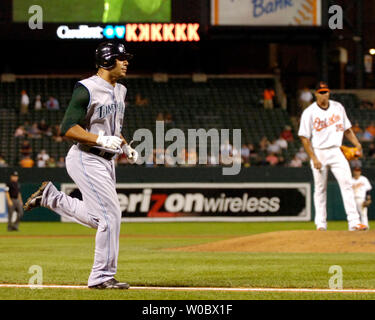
(107, 53)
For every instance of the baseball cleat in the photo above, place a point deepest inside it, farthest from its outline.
(36, 198)
(358, 227)
(364, 227)
(321, 229)
(111, 284)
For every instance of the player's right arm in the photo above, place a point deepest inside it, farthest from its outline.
(73, 122)
(9, 199)
(305, 133)
(77, 133)
(368, 189)
(309, 150)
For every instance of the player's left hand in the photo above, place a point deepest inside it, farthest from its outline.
(351, 153)
(366, 203)
(131, 153)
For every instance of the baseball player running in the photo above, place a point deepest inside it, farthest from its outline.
(93, 120)
(322, 127)
(362, 188)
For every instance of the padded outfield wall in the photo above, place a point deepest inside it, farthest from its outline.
(198, 194)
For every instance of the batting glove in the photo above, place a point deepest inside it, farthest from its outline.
(108, 142)
(131, 153)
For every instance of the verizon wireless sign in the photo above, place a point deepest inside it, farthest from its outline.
(133, 32)
(211, 201)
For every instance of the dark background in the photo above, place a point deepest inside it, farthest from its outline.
(304, 54)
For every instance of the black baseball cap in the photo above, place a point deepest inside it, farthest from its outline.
(322, 87)
(14, 173)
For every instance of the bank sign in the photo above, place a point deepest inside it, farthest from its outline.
(133, 32)
(211, 201)
(266, 12)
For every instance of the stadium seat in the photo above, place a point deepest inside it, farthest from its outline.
(218, 103)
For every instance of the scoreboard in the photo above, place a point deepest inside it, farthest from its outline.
(156, 20)
(129, 20)
(266, 12)
(95, 11)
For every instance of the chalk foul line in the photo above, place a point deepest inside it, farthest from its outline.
(224, 289)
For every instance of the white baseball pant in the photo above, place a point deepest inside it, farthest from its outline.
(362, 211)
(99, 207)
(333, 159)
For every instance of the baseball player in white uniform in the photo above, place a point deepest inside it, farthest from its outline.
(362, 188)
(93, 120)
(322, 128)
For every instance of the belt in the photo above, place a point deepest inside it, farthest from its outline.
(98, 152)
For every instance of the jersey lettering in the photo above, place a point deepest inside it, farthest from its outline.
(319, 125)
(110, 109)
(107, 106)
(358, 185)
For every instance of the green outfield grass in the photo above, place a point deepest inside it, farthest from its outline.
(65, 253)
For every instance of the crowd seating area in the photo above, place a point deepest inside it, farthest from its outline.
(10, 92)
(222, 103)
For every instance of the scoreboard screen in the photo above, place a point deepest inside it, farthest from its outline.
(291, 13)
(95, 11)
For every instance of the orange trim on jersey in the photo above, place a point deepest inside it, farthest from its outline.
(319, 125)
(358, 185)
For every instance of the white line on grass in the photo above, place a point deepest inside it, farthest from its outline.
(55, 286)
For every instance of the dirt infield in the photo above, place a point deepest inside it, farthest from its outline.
(294, 242)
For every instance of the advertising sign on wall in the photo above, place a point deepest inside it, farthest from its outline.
(133, 32)
(211, 201)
